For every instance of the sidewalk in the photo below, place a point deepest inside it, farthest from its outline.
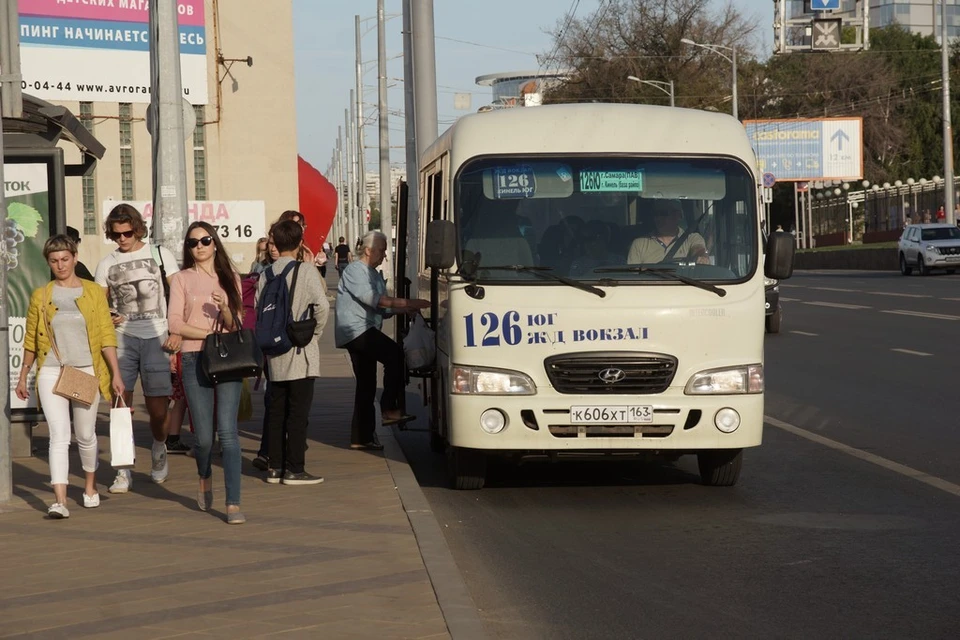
(338, 560)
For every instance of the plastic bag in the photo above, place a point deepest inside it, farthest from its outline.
(419, 347)
(122, 449)
(245, 412)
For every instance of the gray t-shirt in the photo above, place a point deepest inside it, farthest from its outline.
(69, 330)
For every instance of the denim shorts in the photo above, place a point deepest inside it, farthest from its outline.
(144, 357)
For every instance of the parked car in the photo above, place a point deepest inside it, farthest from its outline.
(774, 310)
(929, 246)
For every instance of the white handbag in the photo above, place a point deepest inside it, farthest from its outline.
(122, 450)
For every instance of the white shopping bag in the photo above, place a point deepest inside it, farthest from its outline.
(122, 449)
(419, 347)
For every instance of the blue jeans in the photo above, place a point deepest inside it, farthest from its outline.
(201, 394)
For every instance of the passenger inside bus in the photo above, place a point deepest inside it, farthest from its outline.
(596, 250)
(494, 233)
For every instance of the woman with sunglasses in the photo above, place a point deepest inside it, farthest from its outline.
(205, 292)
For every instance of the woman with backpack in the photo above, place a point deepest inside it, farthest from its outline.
(204, 295)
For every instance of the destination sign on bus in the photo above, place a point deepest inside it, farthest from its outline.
(611, 181)
(518, 181)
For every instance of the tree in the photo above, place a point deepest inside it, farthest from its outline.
(642, 38)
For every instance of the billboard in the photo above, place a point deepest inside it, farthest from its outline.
(234, 220)
(29, 213)
(808, 149)
(98, 50)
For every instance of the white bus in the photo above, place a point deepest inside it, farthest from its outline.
(596, 273)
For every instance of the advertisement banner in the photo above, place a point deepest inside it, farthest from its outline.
(26, 189)
(235, 220)
(99, 51)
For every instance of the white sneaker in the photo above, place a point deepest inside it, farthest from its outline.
(123, 482)
(91, 502)
(58, 511)
(158, 455)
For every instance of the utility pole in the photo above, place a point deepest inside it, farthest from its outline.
(342, 214)
(352, 227)
(386, 211)
(11, 95)
(948, 186)
(11, 106)
(364, 202)
(169, 164)
(412, 159)
(425, 96)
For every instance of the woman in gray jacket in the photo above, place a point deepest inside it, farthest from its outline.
(292, 374)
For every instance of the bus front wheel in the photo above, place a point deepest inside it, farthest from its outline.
(467, 468)
(721, 467)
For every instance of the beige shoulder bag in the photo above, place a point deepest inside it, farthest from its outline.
(72, 384)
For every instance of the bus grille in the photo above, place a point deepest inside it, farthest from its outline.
(611, 373)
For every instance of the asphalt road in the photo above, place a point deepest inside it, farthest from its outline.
(813, 542)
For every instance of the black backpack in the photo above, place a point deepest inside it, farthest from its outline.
(276, 331)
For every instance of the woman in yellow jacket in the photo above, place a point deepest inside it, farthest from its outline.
(76, 312)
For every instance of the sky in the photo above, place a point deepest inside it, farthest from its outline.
(473, 38)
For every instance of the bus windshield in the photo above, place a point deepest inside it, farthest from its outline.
(598, 219)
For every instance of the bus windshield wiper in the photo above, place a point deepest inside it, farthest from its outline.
(546, 272)
(668, 273)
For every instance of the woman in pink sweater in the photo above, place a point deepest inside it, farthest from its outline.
(205, 289)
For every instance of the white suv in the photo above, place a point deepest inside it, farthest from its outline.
(929, 246)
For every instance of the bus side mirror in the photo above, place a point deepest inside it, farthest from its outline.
(780, 250)
(440, 251)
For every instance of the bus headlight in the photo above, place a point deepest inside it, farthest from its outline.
(493, 421)
(727, 420)
(490, 382)
(729, 380)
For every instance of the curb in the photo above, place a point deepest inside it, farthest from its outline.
(458, 609)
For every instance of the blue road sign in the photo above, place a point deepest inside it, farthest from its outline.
(808, 149)
(825, 5)
(769, 179)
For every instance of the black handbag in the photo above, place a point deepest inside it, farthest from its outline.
(230, 356)
(301, 331)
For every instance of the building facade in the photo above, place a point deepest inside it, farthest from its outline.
(237, 64)
(916, 16)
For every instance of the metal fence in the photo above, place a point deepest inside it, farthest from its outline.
(859, 212)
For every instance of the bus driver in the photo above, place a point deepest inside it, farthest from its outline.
(655, 247)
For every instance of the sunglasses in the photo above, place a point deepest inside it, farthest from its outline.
(115, 235)
(205, 241)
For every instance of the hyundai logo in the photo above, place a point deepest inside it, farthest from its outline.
(611, 376)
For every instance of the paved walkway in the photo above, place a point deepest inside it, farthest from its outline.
(338, 560)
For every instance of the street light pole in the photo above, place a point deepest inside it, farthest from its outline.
(658, 85)
(732, 59)
(948, 187)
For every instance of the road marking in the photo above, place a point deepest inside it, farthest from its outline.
(896, 467)
(837, 305)
(921, 314)
(899, 295)
(911, 352)
(782, 299)
(951, 299)
(805, 333)
(836, 289)
(873, 293)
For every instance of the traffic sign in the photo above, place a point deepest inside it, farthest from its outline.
(826, 34)
(825, 5)
(808, 149)
(769, 180)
